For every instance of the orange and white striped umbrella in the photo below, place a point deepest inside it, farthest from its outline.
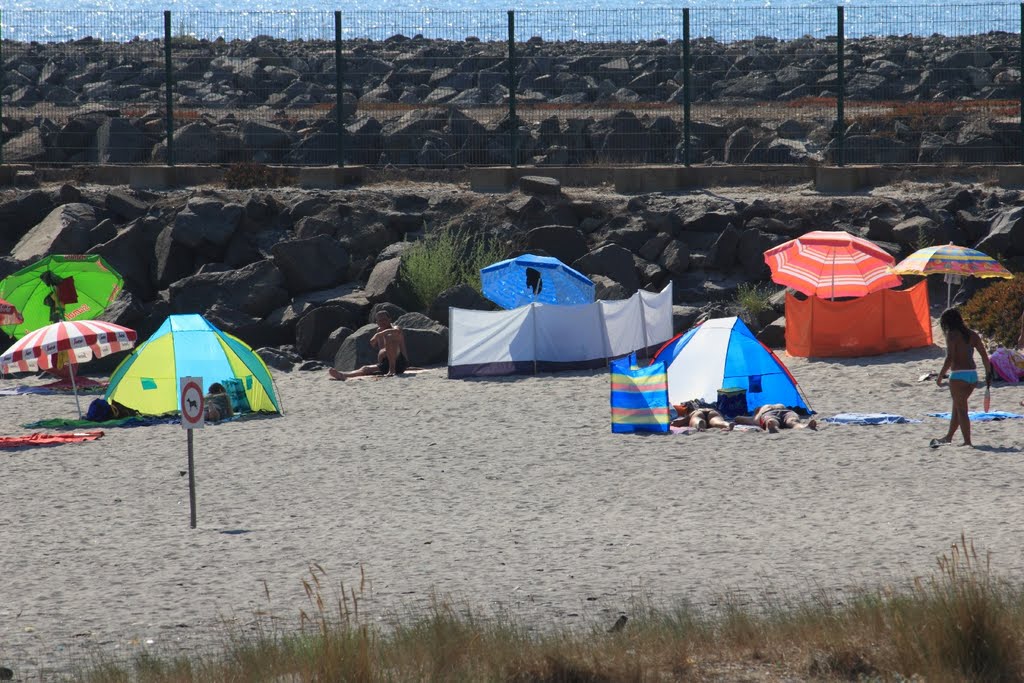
(67, 341)
(831, 264)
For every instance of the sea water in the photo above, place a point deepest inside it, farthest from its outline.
(601, 20)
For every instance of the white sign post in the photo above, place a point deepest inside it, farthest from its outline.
(193, 416)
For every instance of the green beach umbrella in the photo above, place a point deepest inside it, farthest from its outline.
(59, 288)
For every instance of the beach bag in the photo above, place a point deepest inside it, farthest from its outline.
(732, 402)
(99, 411)
(236, 394)
(639, 397)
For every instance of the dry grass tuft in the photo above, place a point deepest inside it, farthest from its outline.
(960, 624)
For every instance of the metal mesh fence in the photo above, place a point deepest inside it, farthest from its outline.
(582, 100)
(263, 99)
(90, 95)
(762, 100)
(428, 102)
(917, 84)
(941, 100)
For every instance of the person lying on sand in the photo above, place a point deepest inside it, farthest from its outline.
(392, 357)
(775, 416)
(697, 416)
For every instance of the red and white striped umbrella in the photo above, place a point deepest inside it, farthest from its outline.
(832, 264)
(82, 340)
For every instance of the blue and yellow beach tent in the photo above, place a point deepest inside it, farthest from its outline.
(189, 346)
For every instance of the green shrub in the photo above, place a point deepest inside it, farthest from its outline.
(752, 300)
(444, 259)
(246, 175)
(995, 311)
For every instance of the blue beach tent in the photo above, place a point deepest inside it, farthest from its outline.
(528, 279)
(722, 353)
(189, 346)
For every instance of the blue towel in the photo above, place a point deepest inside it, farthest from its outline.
(982, 417)
(868, 419)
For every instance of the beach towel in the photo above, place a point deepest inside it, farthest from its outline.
(134, 421)
(50, 390)
(1008, 364)
(43, 439)
(869, 419)
(639, 397)
(982, 417)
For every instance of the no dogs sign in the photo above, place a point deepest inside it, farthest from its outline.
(192, 409)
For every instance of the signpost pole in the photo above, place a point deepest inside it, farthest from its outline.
(191, 483)
(193, 416)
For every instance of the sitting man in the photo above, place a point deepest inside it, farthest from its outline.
(218, 404)
(775, 416)
(699, 416)
(392, 356)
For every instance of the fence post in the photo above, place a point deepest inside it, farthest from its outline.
(841, 94)
(1, 98)
(513, 131)
(168, 80)
(339, 81)
(686, 86)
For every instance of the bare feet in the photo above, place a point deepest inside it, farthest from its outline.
(335, 374)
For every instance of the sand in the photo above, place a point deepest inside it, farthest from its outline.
(507, 494)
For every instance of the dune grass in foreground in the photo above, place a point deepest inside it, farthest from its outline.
(961, 624)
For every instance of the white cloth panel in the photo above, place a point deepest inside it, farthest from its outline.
(624, 325)
(490, 336)
(569, 333)
(658, 315)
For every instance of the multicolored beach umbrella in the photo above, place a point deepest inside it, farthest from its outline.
(950, 259)
(527, 279)
(59, 288)
(831, 264)
(639, 397)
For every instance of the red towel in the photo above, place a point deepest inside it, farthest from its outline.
(42, 439)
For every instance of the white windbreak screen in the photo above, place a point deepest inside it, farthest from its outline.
(604, 329)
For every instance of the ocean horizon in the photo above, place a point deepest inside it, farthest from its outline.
(603, 20)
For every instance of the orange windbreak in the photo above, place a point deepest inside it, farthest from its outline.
(889, 320)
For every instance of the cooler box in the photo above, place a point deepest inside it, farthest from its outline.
(732, 401)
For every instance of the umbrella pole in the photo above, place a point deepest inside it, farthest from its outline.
(833, 275)
(949, 288)
(74, 389)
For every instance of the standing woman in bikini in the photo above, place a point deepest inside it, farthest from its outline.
(961, 342)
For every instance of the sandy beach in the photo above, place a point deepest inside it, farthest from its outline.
(506, 494)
